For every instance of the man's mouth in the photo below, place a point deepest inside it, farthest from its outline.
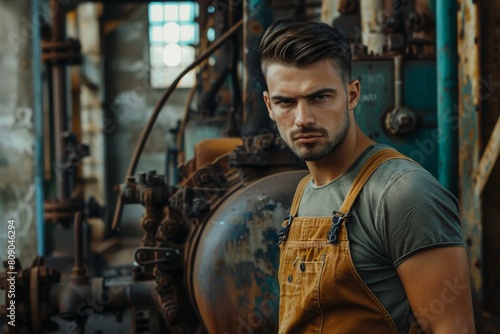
(307, 138)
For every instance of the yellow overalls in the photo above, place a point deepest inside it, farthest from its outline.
(320, 289)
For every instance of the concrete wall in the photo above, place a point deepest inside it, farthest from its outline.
(17, 190)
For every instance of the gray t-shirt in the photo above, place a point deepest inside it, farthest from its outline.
(401, 210)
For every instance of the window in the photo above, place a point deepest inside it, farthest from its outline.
(173, 35)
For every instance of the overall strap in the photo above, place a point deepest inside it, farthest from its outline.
(370, 166)
(364, 174)
(285, 229)
(298, 194)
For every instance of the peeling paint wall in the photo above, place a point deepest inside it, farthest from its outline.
(17, 191)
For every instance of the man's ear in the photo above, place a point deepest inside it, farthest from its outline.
(267, 101)
(353, 94)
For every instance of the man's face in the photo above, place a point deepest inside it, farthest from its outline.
(311, 106)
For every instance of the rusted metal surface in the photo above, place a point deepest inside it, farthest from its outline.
(488, 159)
(32, 296)
(237, 258)
(62, 210)
(372, 24)
(330, 10)
(257, 17)
(469, 108)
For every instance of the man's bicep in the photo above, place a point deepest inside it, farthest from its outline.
(437, 284)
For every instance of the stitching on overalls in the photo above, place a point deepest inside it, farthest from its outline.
(292, 302)
(319, 326)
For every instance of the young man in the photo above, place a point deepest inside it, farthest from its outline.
(373, 243)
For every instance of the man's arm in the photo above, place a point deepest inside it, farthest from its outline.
(437, 284)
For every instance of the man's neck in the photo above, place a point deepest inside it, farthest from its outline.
(329, 168)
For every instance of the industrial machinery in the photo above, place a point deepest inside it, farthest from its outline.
(208, 257)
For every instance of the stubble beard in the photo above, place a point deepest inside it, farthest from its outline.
(315, 152)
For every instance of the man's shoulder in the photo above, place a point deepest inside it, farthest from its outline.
(405, 181)
(394, 168)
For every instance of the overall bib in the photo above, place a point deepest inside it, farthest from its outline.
(320, 289)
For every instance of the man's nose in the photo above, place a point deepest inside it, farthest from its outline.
(303, 116)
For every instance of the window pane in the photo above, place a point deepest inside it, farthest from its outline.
(186, 12)
(196, 10)
(156, 34)
(187, 34)
(156, 56)
(155, 13)
(188, 55)
(171, 12)
(171, 32)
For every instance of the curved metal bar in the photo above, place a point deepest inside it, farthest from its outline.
(149, 126)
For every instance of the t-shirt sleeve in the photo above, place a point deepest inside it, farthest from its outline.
(415, 213)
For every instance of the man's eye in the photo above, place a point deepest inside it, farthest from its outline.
(285, 102)
(320, 97)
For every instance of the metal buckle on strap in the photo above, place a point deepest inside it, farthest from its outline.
(333, 233)
(283, 233)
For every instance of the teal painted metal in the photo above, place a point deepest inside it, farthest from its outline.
(447, 85)
(432, 7)
(257, 17)
(36, 65)
(419, 95)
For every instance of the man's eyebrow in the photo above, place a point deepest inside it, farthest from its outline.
(280, 97)
(320, 92)
(308, 96)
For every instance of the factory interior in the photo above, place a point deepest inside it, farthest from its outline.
(146, 183)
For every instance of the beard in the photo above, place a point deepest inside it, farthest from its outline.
(318, 151)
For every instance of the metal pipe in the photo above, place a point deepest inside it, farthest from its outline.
(152, 119)
(447, 85)
(257, 16)
(78, 233)
(398, 81)
(36, 65)
(59, 103)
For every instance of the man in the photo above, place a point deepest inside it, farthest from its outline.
(390, 258)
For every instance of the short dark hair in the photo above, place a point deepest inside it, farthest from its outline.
(301, 43)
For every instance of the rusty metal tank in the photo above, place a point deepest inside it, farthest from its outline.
(236, 258)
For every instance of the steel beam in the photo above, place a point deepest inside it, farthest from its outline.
(469, 107)
(488, 159)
